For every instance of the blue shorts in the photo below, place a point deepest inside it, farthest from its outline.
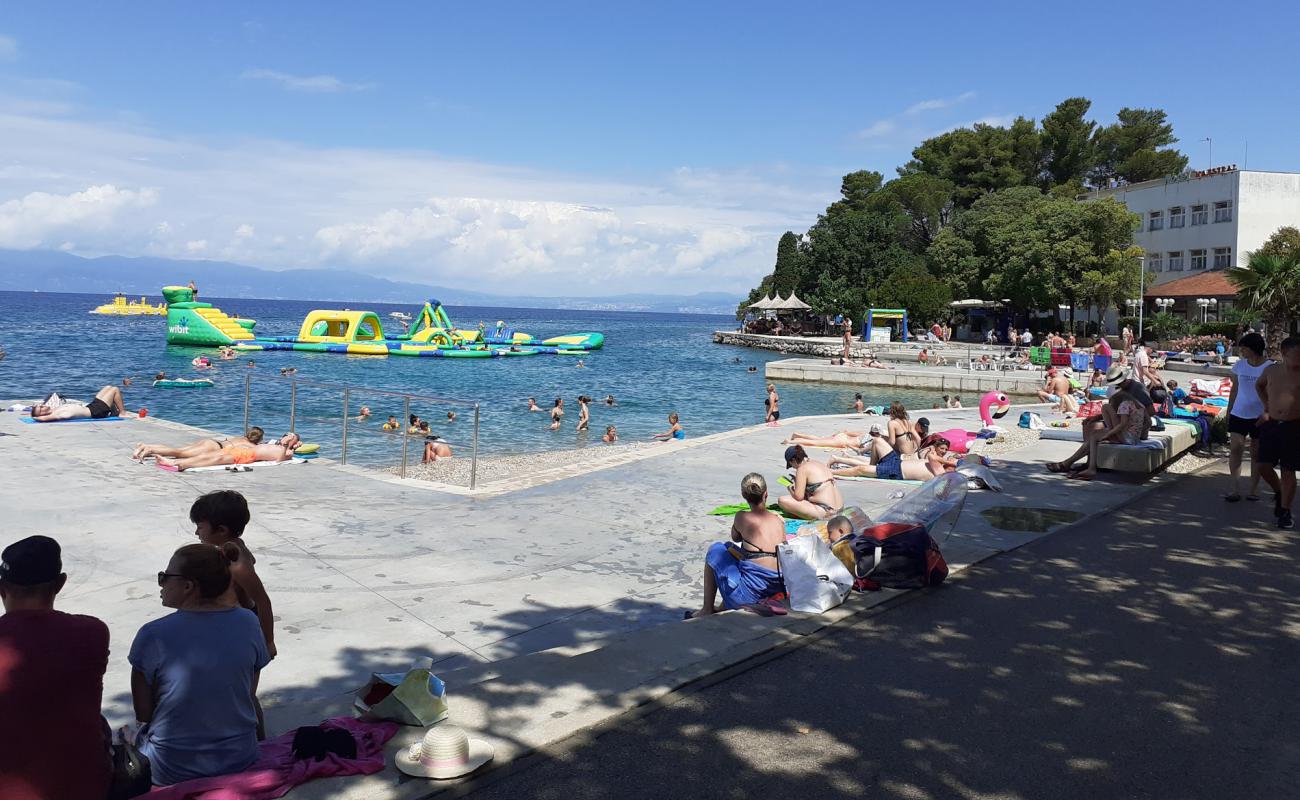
(740, 582)
(890, 467)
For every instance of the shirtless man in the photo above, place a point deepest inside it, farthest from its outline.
(1279, 428)
(107, 403)
(1056, 389)
(282, 450)
(250, 439)
(886, 462)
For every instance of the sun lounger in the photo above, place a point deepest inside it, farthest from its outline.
(1158, 449)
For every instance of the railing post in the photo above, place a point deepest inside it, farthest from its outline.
(406, 437)
(293, 405)
(248, 388)
(473, 464)
(346, 396)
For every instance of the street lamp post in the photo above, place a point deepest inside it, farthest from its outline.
(1205, 305)
(1142, 283)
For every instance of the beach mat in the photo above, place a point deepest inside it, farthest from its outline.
(30, 421)
(232, 467)
(880, 480)
(732, 509)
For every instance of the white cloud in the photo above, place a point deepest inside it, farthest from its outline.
(41, 219)
(878, 130)
(8, 48)
(306, 83)
(411, 215)
(939, 103)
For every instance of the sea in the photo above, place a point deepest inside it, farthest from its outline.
(652, 364)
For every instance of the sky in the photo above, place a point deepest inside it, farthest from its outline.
(564, 148)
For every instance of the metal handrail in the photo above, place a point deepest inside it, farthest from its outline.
(347, 390)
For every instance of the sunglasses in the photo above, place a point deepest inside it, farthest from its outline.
(163, 576)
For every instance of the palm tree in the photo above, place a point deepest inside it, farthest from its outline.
(1270, 287)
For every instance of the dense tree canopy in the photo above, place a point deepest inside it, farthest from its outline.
(1284, 242)
(986, 212)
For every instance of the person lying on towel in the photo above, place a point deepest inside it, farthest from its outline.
(107, 403)
(282, 450)
(744, 570)
(886, 462)
(251, 438)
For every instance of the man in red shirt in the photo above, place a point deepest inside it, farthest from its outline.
(51, 683)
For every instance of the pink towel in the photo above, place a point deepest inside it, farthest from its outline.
(276, 771)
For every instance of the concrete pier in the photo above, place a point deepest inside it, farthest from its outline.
(942, 380)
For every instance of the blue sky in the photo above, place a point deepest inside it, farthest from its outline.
(571, 147)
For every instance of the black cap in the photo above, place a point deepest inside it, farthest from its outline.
(792, 452)
(31, 561)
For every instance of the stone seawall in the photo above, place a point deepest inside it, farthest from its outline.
(937, 379)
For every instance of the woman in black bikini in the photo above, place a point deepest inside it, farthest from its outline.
(814, 494)
(900, 433)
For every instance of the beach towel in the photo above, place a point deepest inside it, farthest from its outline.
(741, 582)
(732, 509)
(233, 467)
(31, 421)
(276, 771)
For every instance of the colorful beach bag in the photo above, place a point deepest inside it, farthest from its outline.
(415, 697)
(898, 555)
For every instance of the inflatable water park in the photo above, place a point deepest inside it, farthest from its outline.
(121, 307)
(430, 333)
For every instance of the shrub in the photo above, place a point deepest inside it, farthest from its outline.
(1200, 344)
(1165, 326)
(1227, 329)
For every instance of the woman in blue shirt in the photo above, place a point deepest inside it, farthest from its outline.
(194, 672)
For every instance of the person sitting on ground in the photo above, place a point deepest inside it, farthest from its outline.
(1176, 393)
(219, 518)
(250, 439)
(900, 432)
(923, 357)
(611, 434)
(434, 449)
(985, 362)
(532, 404)
(1125, 424)
(813, 494)
(675, 429)
(1097, 386)
(238, 455)
(52, 666)
(744, 571)
(194, 672)
(1056, 388)
(392, 424)
(858, 406)
(107, 403)
(884, 462)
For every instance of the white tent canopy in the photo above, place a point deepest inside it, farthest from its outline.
(765, 304)
(792, 303)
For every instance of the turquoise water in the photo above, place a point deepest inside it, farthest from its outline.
(651, 363)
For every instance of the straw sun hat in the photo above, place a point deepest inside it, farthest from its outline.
(445, 752)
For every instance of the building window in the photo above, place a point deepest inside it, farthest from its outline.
(1223, 211)
(1157, 220)
(1198, 259)
(1154, 263)
(1176, 261)
(1222, 257)
(1177, 217)
(1200, 216)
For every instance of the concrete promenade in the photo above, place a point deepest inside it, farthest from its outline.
(1150, 657)
(542, 603)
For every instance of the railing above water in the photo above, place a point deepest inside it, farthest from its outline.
(347, 391)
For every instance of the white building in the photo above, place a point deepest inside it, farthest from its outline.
(1207, 220)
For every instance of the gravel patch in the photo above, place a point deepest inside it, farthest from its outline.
(455, 471)
(1010, 440)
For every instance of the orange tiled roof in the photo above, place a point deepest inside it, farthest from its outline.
(1206, 284)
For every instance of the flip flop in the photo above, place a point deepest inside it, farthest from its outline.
(1233, 498)
(1079, 476)
(1055, 467)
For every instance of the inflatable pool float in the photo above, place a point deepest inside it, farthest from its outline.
(565, 352)
(993, 405)
(958, 440)
(121, 307)
(182, 383)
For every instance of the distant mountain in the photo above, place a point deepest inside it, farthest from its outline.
(52, 271)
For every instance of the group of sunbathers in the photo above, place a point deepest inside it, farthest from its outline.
(231, 451)
(898, 450)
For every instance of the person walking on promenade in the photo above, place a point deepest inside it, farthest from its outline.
(1278, 387)
(1244, 410)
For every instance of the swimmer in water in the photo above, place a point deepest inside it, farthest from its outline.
(611, 434)
(364, 414)
(557, 412)
(676, 431)
(584, 413)
(451, 416)
(392, 424)
(858, 405)
(532, 404)
(580, 364)
(609, 400)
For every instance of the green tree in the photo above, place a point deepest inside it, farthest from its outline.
(788, 274)
(1067, 142)
(856, 190)
(926, 200)
(976, 161)
(1130, 150)
(1271, 289)
(911, 286)
(850, 254)
(1284, 242)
